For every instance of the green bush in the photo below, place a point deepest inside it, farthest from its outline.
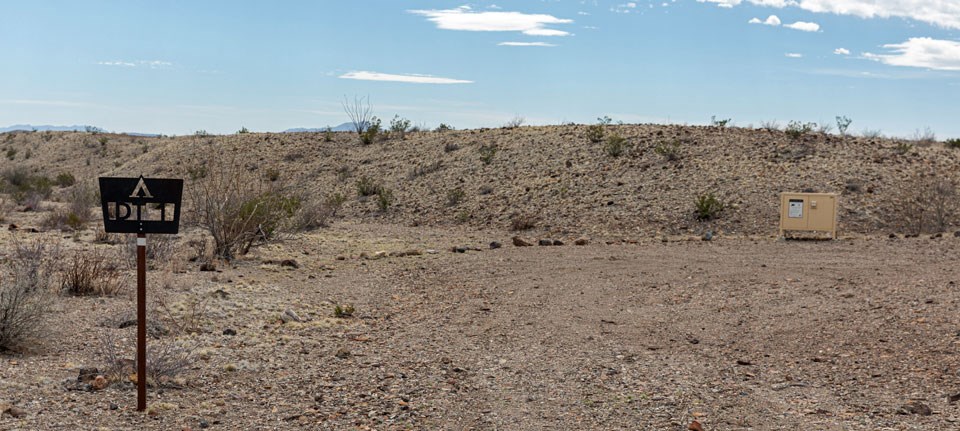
(669, 151)
(616, 145)
(595, 133)
(384, 199)
(842, 124)
(65, 180)
(952, 143)
(371, 133)
(796, 129)
(708, 207)
(367, 187)
(486, 153)
(399, 126)
(455, 196)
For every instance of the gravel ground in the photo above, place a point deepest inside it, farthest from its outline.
(736, 333)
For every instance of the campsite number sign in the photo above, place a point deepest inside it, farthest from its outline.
(141, 206)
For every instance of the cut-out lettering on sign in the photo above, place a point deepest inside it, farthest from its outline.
(141, 205)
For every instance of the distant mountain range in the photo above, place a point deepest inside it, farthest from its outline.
(44, 128)
(345, 127)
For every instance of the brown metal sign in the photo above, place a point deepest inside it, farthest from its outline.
(141, 205)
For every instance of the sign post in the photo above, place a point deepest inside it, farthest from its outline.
(140, 206)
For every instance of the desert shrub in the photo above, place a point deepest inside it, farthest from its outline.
(182, 317)
(371, 133)
(360, 112)
(487, 152)
(595, 133)
(11, 153)
(91, 273)
(238, 208)
(384, 199)
(343, 311)
(615, 145)
(515, 122)
(421, 170)
(824, 128)
(366, 186)
(167, 361)
(243, 130)
(399, 126)
(843, 123)
(952, 143)
(328, 135)
(926, 136)
(797, 129)
(925, 202)
(770, 126)
(707, 207)
(272, 174)
(871, 133)
(668, 150)
(315, 213)
(903, 148)
(455, 196)
(719, 123)
(26, 188)
(523, 221)
(450, 147)
(103, 140)
(443, 127)
(65, 179)
(77, 213)
(25, 295)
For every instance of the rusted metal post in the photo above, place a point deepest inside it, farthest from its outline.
(141, 322)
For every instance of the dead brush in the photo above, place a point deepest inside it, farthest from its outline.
(167, 361)
(91, 273)
(523, 221)
(25, 298)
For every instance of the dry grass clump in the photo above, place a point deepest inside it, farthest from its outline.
(167, 361)
(91, 273)
(25, 295)
(926, 202)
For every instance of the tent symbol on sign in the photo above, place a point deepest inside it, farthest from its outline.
(141, 188)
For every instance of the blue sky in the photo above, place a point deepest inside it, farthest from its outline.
(175, 67)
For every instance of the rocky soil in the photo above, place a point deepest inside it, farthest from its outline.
(644, 325)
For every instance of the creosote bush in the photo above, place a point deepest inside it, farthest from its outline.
(668, 150)
(708, 207)
(615, 145)
(25, 295)
(925, 202)
(239, 208)
(487, 152)
(343, 311)
(91, 273)
(796, 129)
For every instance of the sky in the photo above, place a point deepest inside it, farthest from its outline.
(176, 67)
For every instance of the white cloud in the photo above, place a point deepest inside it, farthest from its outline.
(793, 55)
(722, 3)
(463, 18)
(941, 13)
(414, 79)
(841, 51)
(771, 20)
(922, 52)
(804, 26)
(525, 44)
(153, 64)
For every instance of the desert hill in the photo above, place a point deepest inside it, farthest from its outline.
(551, 177)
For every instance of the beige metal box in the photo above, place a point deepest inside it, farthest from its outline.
(808, 212)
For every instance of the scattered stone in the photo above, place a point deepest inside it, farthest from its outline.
(519, 242)
(208, 267)
(708, 236)
(204, 424)
(289, 316)
(545, 242)
(342, 353)
(744, 362)
(956, 234)
(459, 249)
(114, 406)
(914, 408)
(86, 375)
(230, 332)
(341, 257)
(557, 242)
(99, 383)
(582, 241)
(495, 245)
(290, 263)
(953, 398)
(14, 227)
(695, 426)
(432, 251)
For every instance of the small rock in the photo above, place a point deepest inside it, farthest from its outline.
(953, 398)
(204, 424)
(342, 353)
(289, 316)
(744, 362)
(14, 227)
(341, 257)
(99, 383)
(230, 332)
(582, 241)
(557, 242)
(459, 249)
(519, 242)
(208, 267)
(956, 234)
(545, 242)
(290, 263)
(708, 236)
(88, 374)
(914, 408)
(495, 245)
(695, 426)
(114, 406)
(15, 411)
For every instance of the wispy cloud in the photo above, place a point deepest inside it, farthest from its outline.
(941, 13)
(771, 20)
(412, 79)
(793, 55)
(465, 19)
(152, 64)
(921, 52)
(722, 3)
(804, 26)
(525, 44)
(841, 51)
